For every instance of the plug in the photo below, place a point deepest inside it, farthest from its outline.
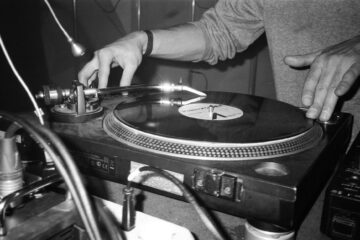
(128, 211)
(11, 175)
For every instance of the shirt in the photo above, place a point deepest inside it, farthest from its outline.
(292, 27)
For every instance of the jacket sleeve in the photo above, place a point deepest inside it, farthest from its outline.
(230, 27)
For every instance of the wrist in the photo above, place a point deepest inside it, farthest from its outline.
(145, 41)
(140, 39)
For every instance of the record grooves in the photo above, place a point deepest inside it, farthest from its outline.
(163, 130)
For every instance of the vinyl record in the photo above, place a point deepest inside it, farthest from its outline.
(221, 126)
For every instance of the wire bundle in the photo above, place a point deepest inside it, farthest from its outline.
(188, 195)
(64, 163)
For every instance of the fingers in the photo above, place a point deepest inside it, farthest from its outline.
(322, 91)
(125, 52)
(329, 106)
(310, 85)
(127, 75)
(317, 93)
(301, 60)
(333, 72)
(89, 72)
(328, 79)
(325, 98)
(105, 60)
(348, 79)
(100, 66)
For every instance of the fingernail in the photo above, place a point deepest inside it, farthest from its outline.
(325, 116)
(340, 90)
(307, 100)
(311, 113)
(288, 59)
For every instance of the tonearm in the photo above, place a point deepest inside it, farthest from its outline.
(80, 104)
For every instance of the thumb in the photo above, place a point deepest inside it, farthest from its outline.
(301, 60)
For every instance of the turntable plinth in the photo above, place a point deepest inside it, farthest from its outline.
(268, 163)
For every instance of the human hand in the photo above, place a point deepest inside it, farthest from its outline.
(333, 71)
(125, 52)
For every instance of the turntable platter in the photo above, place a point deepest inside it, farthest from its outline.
(222, 126)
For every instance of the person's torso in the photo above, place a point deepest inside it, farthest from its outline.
(303, 26)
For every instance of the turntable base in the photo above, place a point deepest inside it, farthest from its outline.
(277, 190)
(181, 213)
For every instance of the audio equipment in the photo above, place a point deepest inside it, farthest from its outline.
(248, 156)
(341, 211)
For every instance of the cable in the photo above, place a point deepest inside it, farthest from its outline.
(11, 130)
(108, 221)
(57, 21)
(58, 163)
(193, 3)
(92, 230)
(38, 111)
(42, 142)
(203, 214)
(73, 171)
(138, 14)
(76, 49)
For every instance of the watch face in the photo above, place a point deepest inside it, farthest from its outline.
(210, 111)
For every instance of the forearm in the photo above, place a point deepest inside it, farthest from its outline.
(185, 42)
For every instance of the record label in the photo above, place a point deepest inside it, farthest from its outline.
(210, 111)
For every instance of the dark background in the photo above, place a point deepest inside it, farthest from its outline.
(42, 56)
(20, 31)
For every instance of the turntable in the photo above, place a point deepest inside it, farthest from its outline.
(243, 155)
